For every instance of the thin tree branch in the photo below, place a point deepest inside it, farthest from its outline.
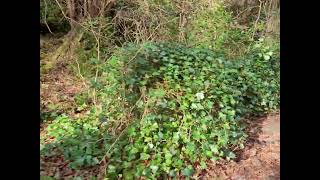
(257, 20)
(45, 16)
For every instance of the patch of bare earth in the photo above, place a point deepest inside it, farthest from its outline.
(58, 85)
(260, 160)
(58, 89)
(58, 168)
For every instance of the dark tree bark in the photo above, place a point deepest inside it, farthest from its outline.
(80, 9)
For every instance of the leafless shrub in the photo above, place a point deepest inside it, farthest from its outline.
(248, 11)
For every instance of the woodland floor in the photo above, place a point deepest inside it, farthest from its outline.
(259, 160)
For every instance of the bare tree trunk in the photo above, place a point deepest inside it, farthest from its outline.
(71, 12)
(92, 6)
(85, 8)
(273, 19)
(80, 9)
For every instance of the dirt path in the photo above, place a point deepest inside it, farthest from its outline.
(260, 160)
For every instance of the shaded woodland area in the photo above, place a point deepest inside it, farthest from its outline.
(160, 89)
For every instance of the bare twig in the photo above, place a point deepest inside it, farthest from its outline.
(104, 157)
(72, 20)
(248, 8)
(257, 20)
(45, 16)
(135, 54)
(97, 70)
(79, 71)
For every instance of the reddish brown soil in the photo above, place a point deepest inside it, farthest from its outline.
(59, 88)
(58, 168)
(260, 160)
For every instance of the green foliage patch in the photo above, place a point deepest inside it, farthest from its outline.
(213, 27)
(163, 108)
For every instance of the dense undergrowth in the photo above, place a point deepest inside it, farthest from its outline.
(163, 102)
(51, 18)
(174, 106)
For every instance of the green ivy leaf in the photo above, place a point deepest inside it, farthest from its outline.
(154, 168)
(194, 106)
(200, 96)
(188, 171)
(231, 155)
(266, 57)
(203, 165)
(144, 156)
(111, 169)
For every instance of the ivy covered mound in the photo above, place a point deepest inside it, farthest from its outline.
(184, 106)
